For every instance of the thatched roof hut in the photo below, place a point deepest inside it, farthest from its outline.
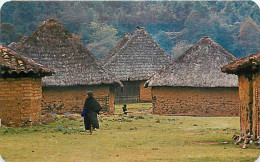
(77, 69)
(119, 45)
(199, 66)
(51, 44)
(138, 58)
(247, 64)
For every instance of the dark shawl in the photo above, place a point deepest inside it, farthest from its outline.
(91, 104)
(92, 108)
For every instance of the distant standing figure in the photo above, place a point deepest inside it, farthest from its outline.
(90, 111)
(124, 109)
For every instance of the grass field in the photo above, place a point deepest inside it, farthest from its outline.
(139, 136)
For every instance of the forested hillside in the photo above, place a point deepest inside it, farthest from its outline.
(174, 25)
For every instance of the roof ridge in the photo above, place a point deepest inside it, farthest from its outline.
(197, 73)
(121, 49)
(74, 63)
(209, 39)
(112, 52)
(139, 47)
(131, 38)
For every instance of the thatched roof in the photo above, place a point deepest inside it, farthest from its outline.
(138, 58)
(247, 64)
(119, 45)
(199, 66)
(52, 45)
(13, 64)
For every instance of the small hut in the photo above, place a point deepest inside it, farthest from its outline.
(133, 63)
(248, 71)
(193, 84)
(77, 69)
(20, 88)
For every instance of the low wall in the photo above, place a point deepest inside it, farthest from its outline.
(71, 99)
(195, 101)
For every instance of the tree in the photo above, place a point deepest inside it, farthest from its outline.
(9, 33)
(249, 36)
(104, 38)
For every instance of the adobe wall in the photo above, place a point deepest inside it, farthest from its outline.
(20, 101)
(195, 101)
(256, 104)
(245, 97)
(249, 89)
(145, 93)
(71, 99)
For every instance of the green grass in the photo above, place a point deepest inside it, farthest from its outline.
(139, 136)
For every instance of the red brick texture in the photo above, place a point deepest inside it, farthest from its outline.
(145, 93)
(249, 89)
(20, 101)
(195, 101)
(71, 99)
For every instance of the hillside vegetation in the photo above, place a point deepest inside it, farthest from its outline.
(175, 25)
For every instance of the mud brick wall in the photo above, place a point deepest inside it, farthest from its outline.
(145, 93)
(249, 89)
(71, 99)
(256, 104)
(195, 101)
(244, 108)
(20, 101)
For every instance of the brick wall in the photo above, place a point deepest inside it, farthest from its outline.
(195, 101)
(244, 108)
(72, 98)
(145, 93)
(249, 89)
(256, 104)
(20, 100)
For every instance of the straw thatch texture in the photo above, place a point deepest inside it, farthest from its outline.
(52, 45)
(199, 66)
(138, 59)
(250, 63)
(119, 45)
(13, 63)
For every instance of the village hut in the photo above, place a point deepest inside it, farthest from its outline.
(134, 63)
(193, 84)
(20, 88)
(248, 71)
(77, 69)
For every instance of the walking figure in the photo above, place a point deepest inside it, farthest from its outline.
(90, 111)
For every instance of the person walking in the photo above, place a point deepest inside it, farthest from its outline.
(90, 111)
